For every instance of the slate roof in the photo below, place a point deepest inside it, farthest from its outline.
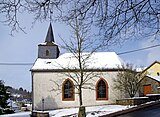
(50, 36)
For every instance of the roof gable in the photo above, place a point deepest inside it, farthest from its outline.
(153, 69)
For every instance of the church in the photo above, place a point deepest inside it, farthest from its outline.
(52, 88)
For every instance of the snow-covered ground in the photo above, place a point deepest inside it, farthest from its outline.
(90, 111)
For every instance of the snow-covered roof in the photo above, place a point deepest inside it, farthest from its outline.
(97, 60)
(46, 43)
(157, 78)
(140, 69)
(12, 103)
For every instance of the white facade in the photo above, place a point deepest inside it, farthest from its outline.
(48, 76)
(44, 87)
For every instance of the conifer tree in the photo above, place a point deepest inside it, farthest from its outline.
(4, 96)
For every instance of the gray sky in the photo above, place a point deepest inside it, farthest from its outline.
(23, 48)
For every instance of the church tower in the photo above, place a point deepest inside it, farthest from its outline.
(49, 49)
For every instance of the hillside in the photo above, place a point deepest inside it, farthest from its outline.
(19, 94)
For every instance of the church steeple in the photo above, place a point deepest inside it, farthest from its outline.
(50, 36)
(49, 49)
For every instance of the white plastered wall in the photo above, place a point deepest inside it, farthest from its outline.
(48, 86)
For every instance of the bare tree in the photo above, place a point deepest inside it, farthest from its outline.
(78, 45)
(128, 81)
(119, 19)
(110, 17)
(10, 11)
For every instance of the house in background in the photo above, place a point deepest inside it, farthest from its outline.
(53, 89)
(151, 81)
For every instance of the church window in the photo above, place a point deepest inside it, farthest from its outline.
(47, 53)
(68, 90)
(102, 90)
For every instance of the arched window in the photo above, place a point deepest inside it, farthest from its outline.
(101, 90)
(67, 90)
(47, 53)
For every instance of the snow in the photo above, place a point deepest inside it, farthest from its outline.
(90, 111)
(94, 111)
(157, 78)
(140, 69)
(137, 98)
(12, 103)
(45, 43)
(97, 60)
(153, 95)
(20, 114)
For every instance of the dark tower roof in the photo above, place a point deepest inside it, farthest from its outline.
(49, 49)
(50, 36)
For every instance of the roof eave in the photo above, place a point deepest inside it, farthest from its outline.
(76, 70)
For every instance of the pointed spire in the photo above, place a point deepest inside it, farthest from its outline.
(50, 36)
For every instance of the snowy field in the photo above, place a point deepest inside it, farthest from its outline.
(72, 112)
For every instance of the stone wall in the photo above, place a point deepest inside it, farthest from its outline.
(132, 101)
(154, 84)
(39, 114)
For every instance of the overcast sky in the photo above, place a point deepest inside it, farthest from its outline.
(23, 48)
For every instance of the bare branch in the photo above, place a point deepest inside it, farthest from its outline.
(128, 80)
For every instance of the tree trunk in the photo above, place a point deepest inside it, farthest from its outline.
(81, 112)
(80, 95)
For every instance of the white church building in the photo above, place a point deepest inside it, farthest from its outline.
(53, 89)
